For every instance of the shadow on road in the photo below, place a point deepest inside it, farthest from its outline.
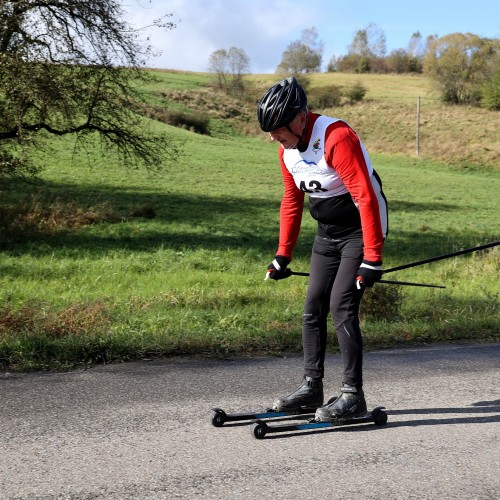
(480, 408)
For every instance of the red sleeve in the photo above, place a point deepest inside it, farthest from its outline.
(292, 206)
(343, 152)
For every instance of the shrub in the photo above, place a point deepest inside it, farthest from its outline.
(461, 64)
(400, 61)
(325, 97)
(195, 122)
(350, 63)
(382, 302)
(490, 93)
(355, 93)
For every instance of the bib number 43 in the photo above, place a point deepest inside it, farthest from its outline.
(312, 187)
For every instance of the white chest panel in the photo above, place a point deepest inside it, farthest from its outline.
(310, 170)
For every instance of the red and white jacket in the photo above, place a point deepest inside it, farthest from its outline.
(345, 193)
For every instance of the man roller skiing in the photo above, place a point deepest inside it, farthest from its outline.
(324, 158)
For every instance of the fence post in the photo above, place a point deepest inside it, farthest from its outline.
(418, 125)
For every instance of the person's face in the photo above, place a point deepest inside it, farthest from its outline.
(289, 139)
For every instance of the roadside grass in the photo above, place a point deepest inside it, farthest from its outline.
(103, 264)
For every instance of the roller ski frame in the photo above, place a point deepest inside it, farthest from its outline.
(260, 429)
(220, 417)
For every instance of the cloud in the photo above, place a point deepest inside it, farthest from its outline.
(263, 29)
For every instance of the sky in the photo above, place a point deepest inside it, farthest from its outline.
(264, 28)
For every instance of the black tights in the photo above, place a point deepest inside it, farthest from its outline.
(332, 287)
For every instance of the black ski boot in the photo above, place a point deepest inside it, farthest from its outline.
(308, 395)
(351, 403)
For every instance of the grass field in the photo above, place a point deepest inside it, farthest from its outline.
(101, 264)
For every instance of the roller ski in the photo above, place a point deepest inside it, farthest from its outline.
(305, 400)
(260, 429)
(348, 409)
(220, 417)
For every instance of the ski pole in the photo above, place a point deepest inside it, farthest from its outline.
(422, 262)
(407, 283)
(441, 257)
(387, 282)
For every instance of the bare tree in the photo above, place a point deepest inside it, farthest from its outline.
(304, 55)
(359, 45)
(72, 67)
(369, 42)
(238, 62)
(416, 46)
(217, 64)
(230, 66)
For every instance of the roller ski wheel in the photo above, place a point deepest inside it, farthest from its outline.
(379, 416)
(259, 429)
(218, 417)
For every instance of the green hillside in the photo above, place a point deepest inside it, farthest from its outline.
(463, 136)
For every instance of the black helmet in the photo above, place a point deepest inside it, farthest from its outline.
(281, 104)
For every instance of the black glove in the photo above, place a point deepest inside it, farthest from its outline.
(277, 270)
(368, 274)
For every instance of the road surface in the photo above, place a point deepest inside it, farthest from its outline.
(142, 430)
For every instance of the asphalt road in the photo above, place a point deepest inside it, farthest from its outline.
(142, 430)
